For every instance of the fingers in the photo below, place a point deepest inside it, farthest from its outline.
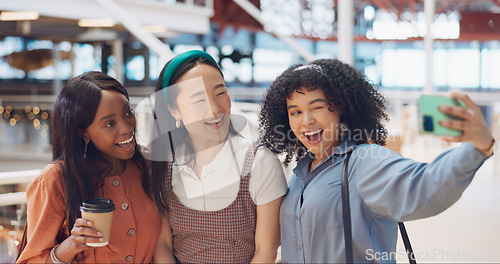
(83, 232)
(464, 98)
(454, 124)
(457, 111)
(83, 222)
(86, 231)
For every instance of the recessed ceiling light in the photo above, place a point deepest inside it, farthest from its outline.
(96, 22)
(155, 28)
(19, 15)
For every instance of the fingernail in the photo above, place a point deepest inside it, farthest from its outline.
(89, 223)
(99, 233)
(101, 239)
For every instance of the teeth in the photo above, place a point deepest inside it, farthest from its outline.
(313, 132)
(126, 141)
(214, 121)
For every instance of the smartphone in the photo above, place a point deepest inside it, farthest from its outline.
(430, 116)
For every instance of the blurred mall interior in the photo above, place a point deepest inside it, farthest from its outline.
(405, 47)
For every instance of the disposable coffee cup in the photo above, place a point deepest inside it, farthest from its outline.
(100, 212)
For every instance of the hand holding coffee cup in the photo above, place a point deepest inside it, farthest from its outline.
(100, 212)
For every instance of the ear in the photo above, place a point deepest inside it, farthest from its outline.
(174, 112)
(85, 137)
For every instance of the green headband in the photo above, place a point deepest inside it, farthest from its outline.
(180, 59)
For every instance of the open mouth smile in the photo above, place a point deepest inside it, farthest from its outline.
(215, 123)
(126, 145)
(314, 137)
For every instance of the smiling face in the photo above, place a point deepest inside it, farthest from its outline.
(112, 131)
(312, 122)
(203, 104)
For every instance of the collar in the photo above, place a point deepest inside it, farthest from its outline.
(221, 161)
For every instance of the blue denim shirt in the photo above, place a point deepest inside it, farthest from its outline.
(384, 188)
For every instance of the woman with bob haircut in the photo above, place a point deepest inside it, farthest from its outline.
(327, 114)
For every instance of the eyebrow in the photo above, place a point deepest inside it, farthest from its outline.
(318, 100)
(197, 94)
(218, 86)
(310, 103)
(112, 115)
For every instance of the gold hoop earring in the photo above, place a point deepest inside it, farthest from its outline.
(178, 123)
(85, 151)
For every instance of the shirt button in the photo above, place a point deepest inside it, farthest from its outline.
(116, 182)
(131, 232)
(124, 206)
(129, 258)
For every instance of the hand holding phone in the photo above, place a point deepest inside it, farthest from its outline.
(457, 119)
(430, 116)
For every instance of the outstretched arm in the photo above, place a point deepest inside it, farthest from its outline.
(403, 189)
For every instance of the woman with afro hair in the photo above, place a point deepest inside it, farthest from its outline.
(326, 114)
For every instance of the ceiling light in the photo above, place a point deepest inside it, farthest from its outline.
(96, 22)
(155, 28)
(19, 15)
(97, 34)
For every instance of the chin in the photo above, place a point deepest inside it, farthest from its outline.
(127, 156)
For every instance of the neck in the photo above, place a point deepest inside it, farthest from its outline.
(319, 159)
(322, 156)
(205, 152)
(116, 167)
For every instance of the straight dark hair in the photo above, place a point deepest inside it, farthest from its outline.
(163, 145)
(74, 111)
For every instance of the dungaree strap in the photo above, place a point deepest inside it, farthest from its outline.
(249, 159)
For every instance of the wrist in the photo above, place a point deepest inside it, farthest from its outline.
(489, 151)
(61, 254)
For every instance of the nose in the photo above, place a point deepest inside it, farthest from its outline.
(125, 127)
(216, 106)
(308, 119)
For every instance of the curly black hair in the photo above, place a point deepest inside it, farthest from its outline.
(363, 108)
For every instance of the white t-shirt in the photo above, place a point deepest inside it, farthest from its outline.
(218, 184)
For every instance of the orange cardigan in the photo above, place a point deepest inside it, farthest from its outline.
(136, 221)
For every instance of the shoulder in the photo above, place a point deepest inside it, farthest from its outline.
(265, 161)
(261, 152)
(268, 181)
(50, 180)
(265, 155)
(267, 164)
(241, 142)
(373, 152)
(50, 175)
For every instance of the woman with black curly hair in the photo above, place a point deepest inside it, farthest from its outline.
(324, 112)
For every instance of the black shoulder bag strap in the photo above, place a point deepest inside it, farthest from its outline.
(346, 212)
